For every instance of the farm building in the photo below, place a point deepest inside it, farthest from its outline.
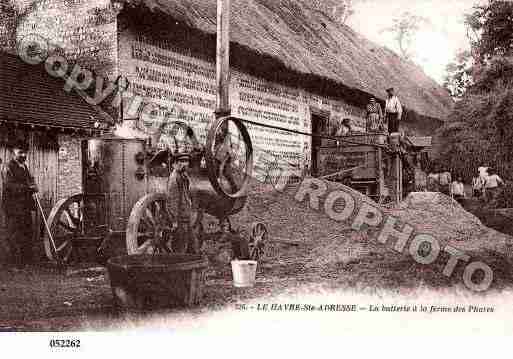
(34, 108)
(292, 65)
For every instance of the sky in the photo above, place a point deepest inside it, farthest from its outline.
(436, 43)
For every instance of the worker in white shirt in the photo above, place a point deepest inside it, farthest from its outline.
(483, 175)
(493, 181)
(444, 180)
(458, 189)
(393, 111)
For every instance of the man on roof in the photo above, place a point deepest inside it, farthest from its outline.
(374, 116)
(393, 111)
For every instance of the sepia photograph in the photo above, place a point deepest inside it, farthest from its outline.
(254, 169)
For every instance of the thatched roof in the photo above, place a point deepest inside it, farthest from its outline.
(308, 42)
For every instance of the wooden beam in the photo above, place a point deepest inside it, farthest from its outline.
(292, 242)
(381, 176)
(399, 178)
(223, 58)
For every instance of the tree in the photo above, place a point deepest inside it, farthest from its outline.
(459, 74)
(485, 113)
(490, 29)
(486, 106)
(337, 10)
(405, 28)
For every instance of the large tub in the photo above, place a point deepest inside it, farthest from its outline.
(140, 281)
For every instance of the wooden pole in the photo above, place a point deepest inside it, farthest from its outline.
(381, 177)
(47, 227)
(399, 177)
(223, 58)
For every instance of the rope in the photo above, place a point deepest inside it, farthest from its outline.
(313, 134)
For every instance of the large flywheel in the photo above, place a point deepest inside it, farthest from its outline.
(229, 157)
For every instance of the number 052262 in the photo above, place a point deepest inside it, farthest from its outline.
(64, 343)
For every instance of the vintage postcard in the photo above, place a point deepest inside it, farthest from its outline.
(178, 171)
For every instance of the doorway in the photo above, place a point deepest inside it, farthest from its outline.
(319, 125)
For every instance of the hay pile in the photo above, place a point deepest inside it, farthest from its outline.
(439, 215)
(325, 240)
(333, 250)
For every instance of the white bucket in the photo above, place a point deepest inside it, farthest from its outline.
(244, 273)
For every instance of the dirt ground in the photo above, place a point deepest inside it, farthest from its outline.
(42, 298)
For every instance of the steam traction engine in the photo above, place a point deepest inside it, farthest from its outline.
(155, 199)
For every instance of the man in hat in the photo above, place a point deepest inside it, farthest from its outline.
(18, 205)
(393, 111)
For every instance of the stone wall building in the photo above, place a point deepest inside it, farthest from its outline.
(292, 65)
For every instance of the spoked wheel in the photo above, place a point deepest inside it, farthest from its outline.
(66, 223)
(153, 227)
(257, 239)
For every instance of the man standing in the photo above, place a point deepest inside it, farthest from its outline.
(458, 190)
(18, 206)
(433, 179)
(393, 111)
(483, 175)
(445, 179)
(492, 184)
(345, 128)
